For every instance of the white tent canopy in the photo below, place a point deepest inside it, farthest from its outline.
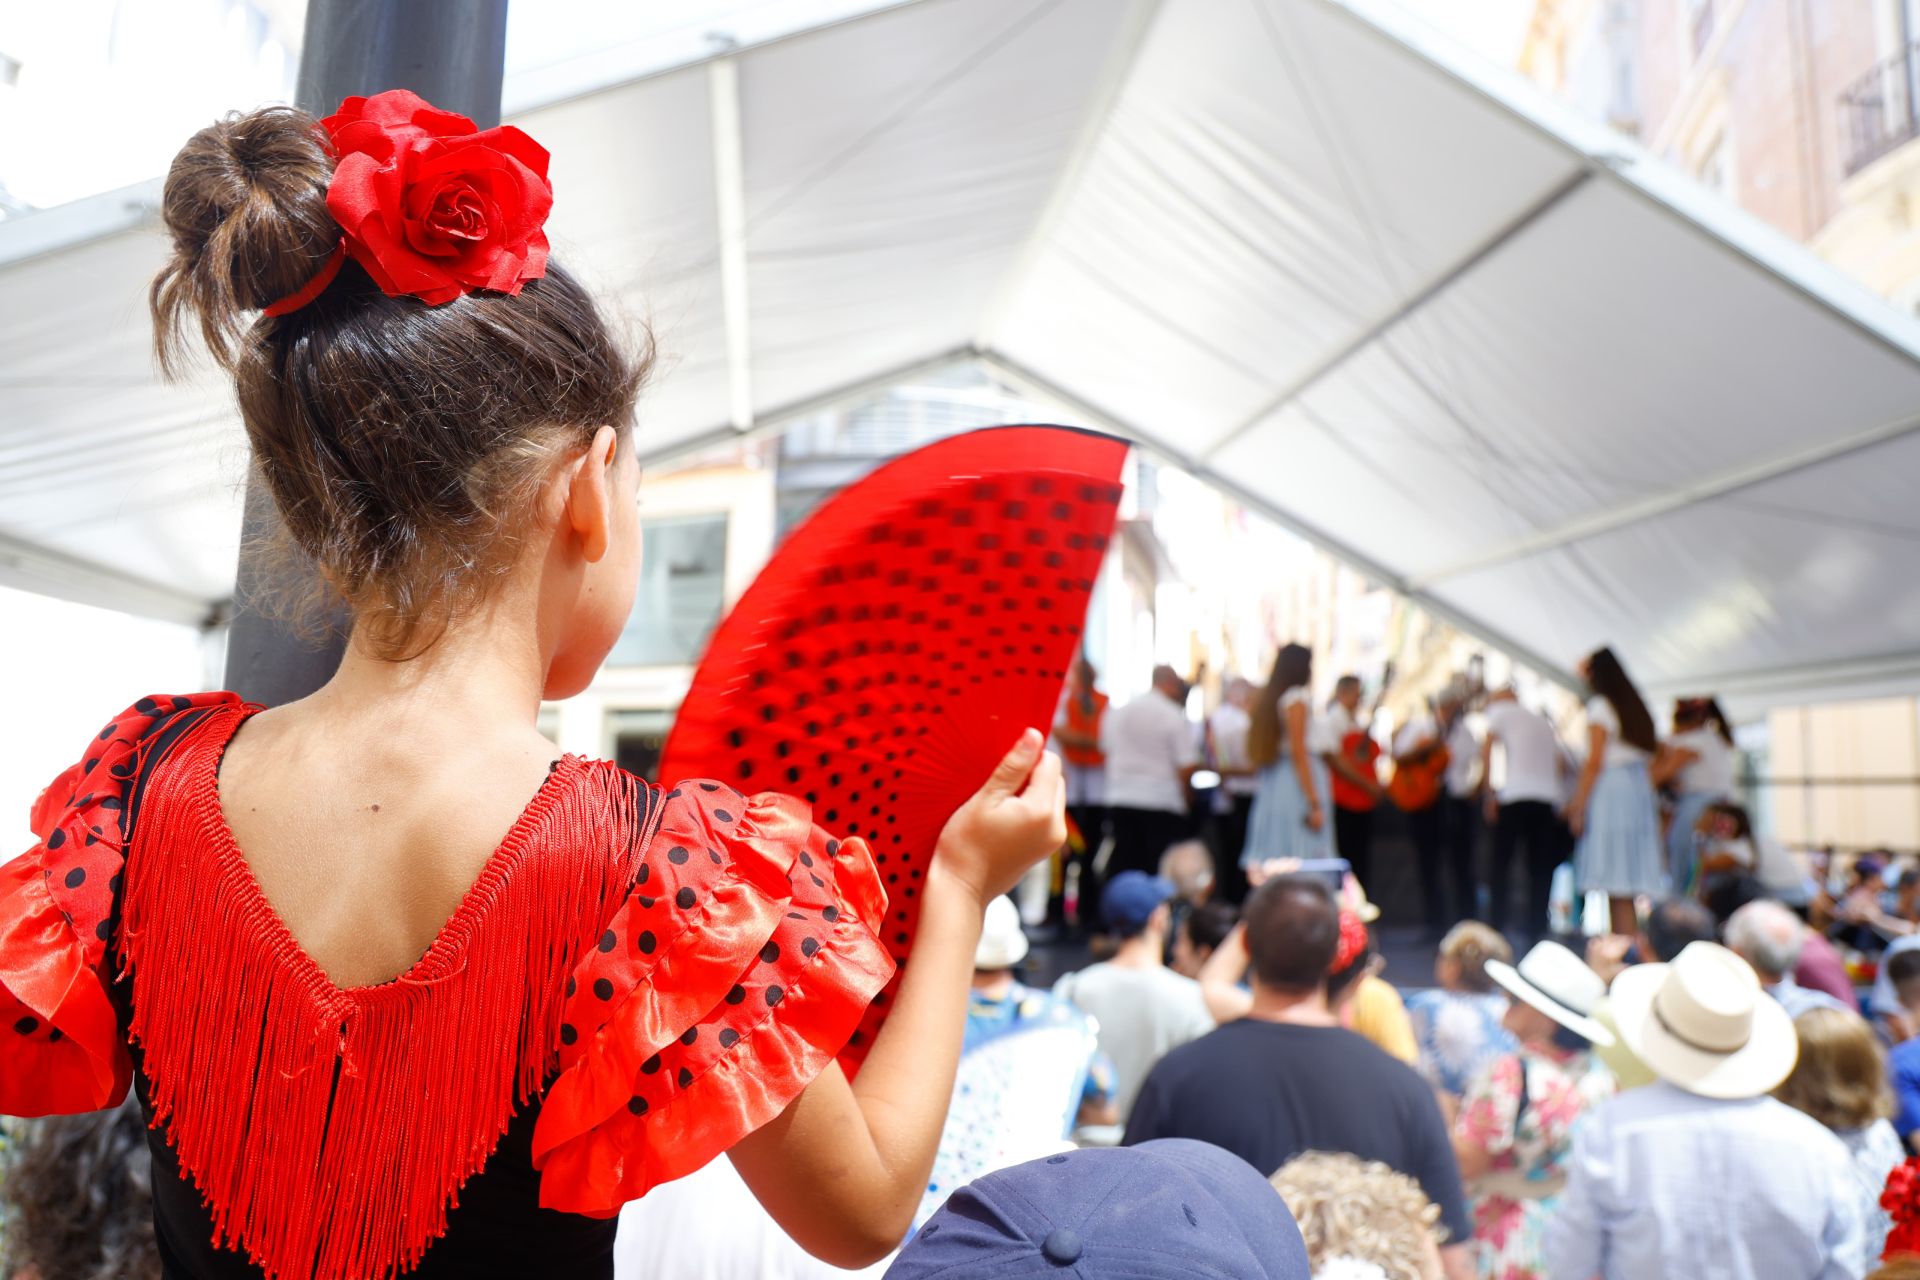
(1497, 358)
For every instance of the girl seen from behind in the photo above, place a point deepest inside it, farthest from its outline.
(378, 949)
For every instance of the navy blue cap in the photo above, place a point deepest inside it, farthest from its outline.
(1164, 1209)
(1130, 898)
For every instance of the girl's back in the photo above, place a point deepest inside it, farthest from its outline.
(399, 990)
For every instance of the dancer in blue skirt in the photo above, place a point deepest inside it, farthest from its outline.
(1612, 812)
(1290, 817)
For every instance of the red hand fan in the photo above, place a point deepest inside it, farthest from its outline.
(899, 641)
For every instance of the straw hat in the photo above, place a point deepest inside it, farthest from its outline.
(1559, 984)
(1702, 1023)
(1003, 943)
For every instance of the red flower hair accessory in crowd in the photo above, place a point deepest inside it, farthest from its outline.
(1901, 1200)
(1353, 942)
(429, 205)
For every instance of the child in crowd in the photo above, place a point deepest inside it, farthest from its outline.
(346, 999)
(1361, 1220)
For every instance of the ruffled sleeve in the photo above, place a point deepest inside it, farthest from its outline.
(63, 1049)
(736, 969)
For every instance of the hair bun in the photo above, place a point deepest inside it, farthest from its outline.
(246, 205)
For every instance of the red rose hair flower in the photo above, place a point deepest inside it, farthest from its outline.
(1353, 942)
(429, 205)
(1901, 1200)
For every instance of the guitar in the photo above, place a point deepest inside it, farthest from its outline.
(1416, 784)
(1360, 748)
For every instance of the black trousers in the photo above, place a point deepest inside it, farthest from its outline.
(1230, 878)
(1353, 833)
(1140, 836)
(1460, 818)
(1428, 828)
(1534, 825)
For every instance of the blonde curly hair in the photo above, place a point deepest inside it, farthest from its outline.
(1361, 1209)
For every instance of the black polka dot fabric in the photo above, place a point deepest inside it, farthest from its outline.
(900, 640)
(721, 995)
(62, 1048)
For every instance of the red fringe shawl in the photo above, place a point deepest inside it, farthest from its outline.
(311, 1161)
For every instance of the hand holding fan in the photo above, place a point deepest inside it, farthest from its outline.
(899, 641)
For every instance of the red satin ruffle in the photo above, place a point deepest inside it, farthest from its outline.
(690, 1030)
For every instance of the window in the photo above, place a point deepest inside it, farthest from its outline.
(683, 567)
(635, 740)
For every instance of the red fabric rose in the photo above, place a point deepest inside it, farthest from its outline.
(1901, 1200)
(432, 207)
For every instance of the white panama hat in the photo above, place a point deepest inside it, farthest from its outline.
(1703, 1024)
(1003, 943)
(1559, 984)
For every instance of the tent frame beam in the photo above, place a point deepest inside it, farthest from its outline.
(44, 571)
(730, 204)
(1093, 415)
(1640, 510)
(1381, 326)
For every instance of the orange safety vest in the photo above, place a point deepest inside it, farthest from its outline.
(1083, 717)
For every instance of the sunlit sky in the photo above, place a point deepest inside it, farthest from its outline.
(133, 77)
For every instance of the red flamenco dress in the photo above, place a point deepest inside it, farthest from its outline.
(637, 979)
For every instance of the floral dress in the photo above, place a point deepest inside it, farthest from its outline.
(1522, 1110)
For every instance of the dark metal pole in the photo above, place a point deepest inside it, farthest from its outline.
(452, 53)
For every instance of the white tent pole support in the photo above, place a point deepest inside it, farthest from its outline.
(1659, 504)
(47, 572)
(771, 422)
(1106, 93)
(1673, 194)
(1406, 307)
(1092, 415)
(77, 222)
(1874, 676)
(730, 202)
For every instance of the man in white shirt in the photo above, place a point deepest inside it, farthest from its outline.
(1142, 1007)
(1523, 810)
(1701, 1173)
(1152, 752)
(1227, 733)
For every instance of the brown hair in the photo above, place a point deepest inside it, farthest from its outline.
(403, 444)
(1293, 932)
(1609, 680)
(1841, 1076)
(1292, 667)
(1470, 945)
(1360, 1209)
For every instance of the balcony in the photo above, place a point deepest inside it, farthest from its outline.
(1877, 110)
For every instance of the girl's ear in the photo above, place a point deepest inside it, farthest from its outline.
(590, 495)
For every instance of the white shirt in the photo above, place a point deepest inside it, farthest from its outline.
(1530, 751)
(1663, 1183)
(1601, 715)
(1148, 743)
(1230, 725)
(1413, 733)
(708, 1226)
(1141, 1013)
(1463, 759)
(1320, 736)
(1712, 773)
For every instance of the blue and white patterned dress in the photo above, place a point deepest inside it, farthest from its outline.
(1459, 1033)
(1620, 852)
(1277, 826)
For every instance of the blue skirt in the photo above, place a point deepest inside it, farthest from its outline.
(1682, 852)
(1620, 851)
(1277, 827)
